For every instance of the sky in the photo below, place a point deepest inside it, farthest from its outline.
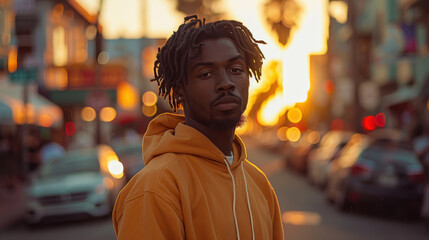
(125, 18)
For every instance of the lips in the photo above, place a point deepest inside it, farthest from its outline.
(227, 103)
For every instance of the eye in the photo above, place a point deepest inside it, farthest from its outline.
(205, 75)
(236, 70)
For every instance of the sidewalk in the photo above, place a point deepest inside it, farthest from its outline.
(12, 208)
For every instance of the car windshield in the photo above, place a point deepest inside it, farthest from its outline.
(72, 162)
(385, 154)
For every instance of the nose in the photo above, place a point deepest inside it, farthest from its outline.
(225, 83)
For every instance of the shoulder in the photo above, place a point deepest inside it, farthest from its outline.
(156, 180)
(158, 177)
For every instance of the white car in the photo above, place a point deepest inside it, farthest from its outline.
(82, 182)
(320, 158)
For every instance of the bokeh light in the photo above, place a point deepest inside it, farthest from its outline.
(107, 114)
(88, 114)
(127, 96)
(116, 169)
(368, 123)
(380, 120)
(149, 98)
(338, 10)
(293, 134)
(91, 32)
(45, 120)
(149, 111)
(103, 58)
(70, 128)
(294, 115)
(281, 134)
(313, 137)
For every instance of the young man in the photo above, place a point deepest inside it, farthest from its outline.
(197, 183)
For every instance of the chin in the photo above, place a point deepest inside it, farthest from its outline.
(226, 123)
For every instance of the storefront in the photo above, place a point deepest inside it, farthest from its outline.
(39, 111)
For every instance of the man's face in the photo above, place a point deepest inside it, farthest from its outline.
(215, 95)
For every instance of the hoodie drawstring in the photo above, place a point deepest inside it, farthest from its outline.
(248, 201)
(234, 200)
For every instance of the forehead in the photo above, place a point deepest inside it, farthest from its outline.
(213, 50)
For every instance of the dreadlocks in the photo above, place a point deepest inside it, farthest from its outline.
(172, 58)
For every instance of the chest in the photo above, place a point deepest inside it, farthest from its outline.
(211, 200)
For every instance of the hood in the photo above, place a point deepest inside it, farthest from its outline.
(167, 133)
(79, 182)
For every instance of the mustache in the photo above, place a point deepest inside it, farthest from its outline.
(224, 94)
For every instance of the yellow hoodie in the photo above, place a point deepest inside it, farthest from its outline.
(188, 190)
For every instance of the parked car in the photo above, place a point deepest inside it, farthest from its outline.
(382, 173)
(320, 158)
(82, 182)
(130, 154)
(297, 157)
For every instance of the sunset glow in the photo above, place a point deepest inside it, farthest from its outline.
(124, 19)
(309, 38)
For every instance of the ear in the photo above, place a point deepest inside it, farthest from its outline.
(178, 94)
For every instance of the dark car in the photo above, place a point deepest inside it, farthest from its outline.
(320, 158)
(379, 173)
(130, 154)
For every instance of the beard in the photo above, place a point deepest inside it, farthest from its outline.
(224, 124)
(227, 123)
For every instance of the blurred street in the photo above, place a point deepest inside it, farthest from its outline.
(339, 119)
(298, 199)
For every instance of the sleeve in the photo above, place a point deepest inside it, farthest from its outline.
(148, 217)
(278, 233)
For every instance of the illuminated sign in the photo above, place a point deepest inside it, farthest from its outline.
(85, 77)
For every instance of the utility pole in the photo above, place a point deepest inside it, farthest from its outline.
(353, 67)
(98, 50)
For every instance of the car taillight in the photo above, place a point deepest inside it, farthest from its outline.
(359, 170)
(417, 177)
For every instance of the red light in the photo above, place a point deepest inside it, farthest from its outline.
(70, 128)
(329, 86)
(369, 123)
(417, 177)
(380, 120)
(302, 126)
(337, 124)
(359, 169)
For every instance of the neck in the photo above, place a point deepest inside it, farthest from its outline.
(221, 138)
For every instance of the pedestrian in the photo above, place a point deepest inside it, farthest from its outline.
(197, 182)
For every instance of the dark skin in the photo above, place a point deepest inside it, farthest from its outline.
(216, 93)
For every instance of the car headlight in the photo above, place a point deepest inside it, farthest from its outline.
(116, 169)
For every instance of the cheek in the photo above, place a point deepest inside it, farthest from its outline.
(244, 91)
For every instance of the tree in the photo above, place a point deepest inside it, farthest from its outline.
(203, 8)
(282, 16)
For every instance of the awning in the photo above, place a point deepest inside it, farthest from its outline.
(5, 113)
(407, 94)
(403, 94)
(40, 111)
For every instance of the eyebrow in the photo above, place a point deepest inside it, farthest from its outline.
(211, 63)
